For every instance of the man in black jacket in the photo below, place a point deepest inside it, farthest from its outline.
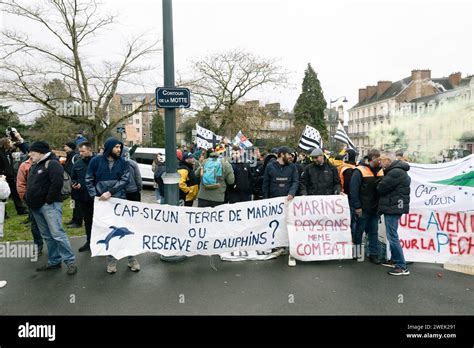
(43, 196)
(79, 191)
(71, 158)
(394, 192)
(320, 177)
(364, 200)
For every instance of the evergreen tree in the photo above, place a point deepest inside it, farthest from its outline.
(158, 131)
(310, 106)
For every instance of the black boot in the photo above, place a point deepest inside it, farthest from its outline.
(85, 247)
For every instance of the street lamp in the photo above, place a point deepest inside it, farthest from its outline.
(331, 123)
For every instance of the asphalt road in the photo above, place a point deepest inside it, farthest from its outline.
(199, 286)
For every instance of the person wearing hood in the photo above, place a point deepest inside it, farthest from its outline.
(394, 193)
(79, 191)
(43, 196)
(188, 183)
(134, 185)
(71, 158)
(108, 176)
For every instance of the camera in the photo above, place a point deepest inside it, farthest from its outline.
(12, 132)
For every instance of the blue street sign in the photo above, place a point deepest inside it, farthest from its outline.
(172, 98)
(120, 129)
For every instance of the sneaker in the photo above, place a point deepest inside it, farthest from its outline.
(291, 261)
(374, 259)
(112, 267)
(134, 265)
(48, 267)
(280, 251)
(71, 269)
(3, 283)
(399, 272)
(388, 263)
(85, 247)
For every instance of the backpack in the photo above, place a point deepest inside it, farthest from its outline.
(67, 183)
(212, 170)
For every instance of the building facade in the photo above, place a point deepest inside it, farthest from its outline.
(378, 104)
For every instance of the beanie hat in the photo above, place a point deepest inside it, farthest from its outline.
(71, 145)
(40, 147)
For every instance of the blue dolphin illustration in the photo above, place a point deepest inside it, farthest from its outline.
(116, 232)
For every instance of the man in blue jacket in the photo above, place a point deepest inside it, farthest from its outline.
(107, 176)
(281, 179)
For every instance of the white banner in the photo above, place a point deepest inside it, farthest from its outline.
(319, 228)
(440, 225)
(122, 228)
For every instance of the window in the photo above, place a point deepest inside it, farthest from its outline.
(137, 121)
(138, 130)
(127, 107)
(130, 120)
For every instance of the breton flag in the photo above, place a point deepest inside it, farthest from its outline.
(341, 135)
(205, 138)
(310, 139)
(242, 141)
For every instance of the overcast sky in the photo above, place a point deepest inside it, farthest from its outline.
(350, 44)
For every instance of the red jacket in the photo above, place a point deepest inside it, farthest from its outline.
(21, 178)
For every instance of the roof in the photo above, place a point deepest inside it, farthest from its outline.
(442, 84)
(391, 92)
(452, 93)
(134, 97)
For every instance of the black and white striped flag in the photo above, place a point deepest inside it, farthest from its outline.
(206, 138)
(341, 135)
(310, 139)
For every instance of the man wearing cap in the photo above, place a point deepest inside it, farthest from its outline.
(72, 157)
(320, 177)
(43, 196)
(189, 183)
(281, 179)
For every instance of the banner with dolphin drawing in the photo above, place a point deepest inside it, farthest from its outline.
(122, 228)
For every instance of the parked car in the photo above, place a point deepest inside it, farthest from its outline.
(144, 156)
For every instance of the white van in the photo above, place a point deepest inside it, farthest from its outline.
(144, 156)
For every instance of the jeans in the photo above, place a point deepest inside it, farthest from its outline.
(391, 227)
(157, 194)
(370, 224)
(36, 232)
(49, 221)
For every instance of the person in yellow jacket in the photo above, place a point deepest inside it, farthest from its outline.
(189, 183)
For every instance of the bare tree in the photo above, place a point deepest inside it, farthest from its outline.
(222, 81)
(26, 65)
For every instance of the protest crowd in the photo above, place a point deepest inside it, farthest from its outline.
(226, 173)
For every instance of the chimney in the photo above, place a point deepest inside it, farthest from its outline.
(455, 79)
(371, 90)
(362, 94)
(382, 86)
(420, 74)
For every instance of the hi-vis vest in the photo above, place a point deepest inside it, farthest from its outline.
(342, 169)
(368, 190)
